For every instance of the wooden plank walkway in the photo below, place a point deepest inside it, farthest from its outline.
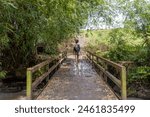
(76, 82)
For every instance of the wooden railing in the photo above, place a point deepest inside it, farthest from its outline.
(103, 65)
(31, 85)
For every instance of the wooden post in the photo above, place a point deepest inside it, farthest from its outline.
(123, 84)
(29, 84)
(106, 68)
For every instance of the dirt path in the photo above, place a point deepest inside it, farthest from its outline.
(76, 82)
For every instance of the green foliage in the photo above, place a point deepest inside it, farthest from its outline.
(138, 18)
(124, 45)
(115, 44)
(138, 15)
(130, 43)
(120, 49)
(39, 72)
(141, 73)
(97, 40)
(140, 56)
(25, 23)
(2, 74)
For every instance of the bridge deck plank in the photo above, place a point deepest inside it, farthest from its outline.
(76, 82)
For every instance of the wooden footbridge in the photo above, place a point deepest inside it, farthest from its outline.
(93, 78)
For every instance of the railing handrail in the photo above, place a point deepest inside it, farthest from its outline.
(32, 85)
(121, 83)
(40, 65)
(106, 60)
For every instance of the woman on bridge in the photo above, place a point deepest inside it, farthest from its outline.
(76, 50)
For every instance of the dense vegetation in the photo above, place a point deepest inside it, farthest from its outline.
(130, 43)
(26, 23)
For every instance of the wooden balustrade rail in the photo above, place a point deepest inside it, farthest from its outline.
(102, 64)
(31, 85)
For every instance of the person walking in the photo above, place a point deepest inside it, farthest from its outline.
(77, 50)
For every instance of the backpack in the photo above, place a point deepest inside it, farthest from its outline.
(77, 48)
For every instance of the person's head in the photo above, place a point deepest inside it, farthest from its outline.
(76, 41)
